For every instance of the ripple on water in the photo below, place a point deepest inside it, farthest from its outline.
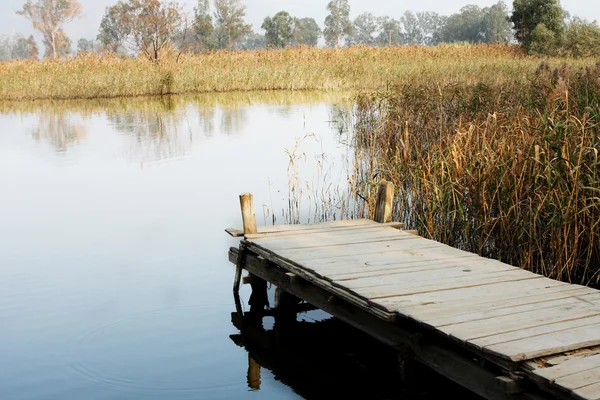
(174, 349)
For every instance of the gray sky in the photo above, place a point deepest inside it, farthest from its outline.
(257, 10)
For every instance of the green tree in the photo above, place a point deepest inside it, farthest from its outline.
(84, 45)
(528, 14)
(229, 23)
(49, 17)
(148, 26)
(389, 32)
(413, 33)
(279, 30)
(582, 38)
(112, 33)
(337, 24)
(252, 41)
(465, 26)
(306, 32)
(364, 30)
(496, 25)
(431, 25)
(204, 30)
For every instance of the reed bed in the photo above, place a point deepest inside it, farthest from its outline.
(90, 76)
(510, 171)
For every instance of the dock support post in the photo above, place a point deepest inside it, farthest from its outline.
(385, 201)
(249, 221)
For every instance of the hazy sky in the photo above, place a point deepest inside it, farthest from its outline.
(257, 10)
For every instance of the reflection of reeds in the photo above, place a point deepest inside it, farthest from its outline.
(508, 170)
(59, 130)
(89, 76)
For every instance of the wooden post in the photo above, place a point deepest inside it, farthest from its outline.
(249, 221)
(385, 200)
(248, 215)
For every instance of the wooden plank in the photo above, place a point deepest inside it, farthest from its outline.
(409, 242)
(359, 269)
(580, 379)
(474, 294)
(469, 331)
(276, 229)
(248, 214)
(552, 343)
(511, 310)
(569, 367)
(376, 293)
(335, 229)
(327, 239)
(591, 392)
(457, 308)
(455, 272)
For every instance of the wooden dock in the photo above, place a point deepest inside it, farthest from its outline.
(498, 330)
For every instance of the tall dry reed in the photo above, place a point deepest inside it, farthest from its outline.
(509, 171)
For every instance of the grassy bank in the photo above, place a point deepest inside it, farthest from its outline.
(509, 170)
(90, 76)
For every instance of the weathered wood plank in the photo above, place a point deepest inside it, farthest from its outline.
(385, 201)
(276, 229)
(552, 343)
(569, 367)
(475, 294)
(331, 229)
(453, 272)
(512, 310)
(494, 301)
(580, 379)
(591, 392)
(376, 293)
(318, 240)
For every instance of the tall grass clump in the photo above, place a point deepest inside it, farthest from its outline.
(507, 170)
(90, 76)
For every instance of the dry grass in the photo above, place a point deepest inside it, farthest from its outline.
(510, 171)
(90, 76)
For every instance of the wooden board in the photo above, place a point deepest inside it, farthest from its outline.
(276, 229)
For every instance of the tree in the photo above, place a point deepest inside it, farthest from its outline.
(306, 32)
(496, 26)
(431, 25)
(279, 30)
(412, 30)
(48, 18)
(465, 26)
(252, 41)
(62, 46)
(364, 30)
(33, 48)
(148, 26)
(229, 20)
(528, 14)
(112, 33)
(582, 38)
(337, 24)
(203, 26)
(389, 32)
(84, 45)
(20, 47)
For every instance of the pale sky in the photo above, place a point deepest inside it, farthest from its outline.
(257, 10)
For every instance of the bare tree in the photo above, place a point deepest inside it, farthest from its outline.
(48, 18)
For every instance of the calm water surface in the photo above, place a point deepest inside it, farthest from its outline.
(114, 278)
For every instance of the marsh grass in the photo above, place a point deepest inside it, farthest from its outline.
(507, 170)
(91, 76)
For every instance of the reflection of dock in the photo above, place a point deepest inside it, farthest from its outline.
(497, 330)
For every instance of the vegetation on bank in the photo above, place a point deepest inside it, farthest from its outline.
(89, 76)
(507, 167)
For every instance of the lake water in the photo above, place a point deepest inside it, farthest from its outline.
(114, 276)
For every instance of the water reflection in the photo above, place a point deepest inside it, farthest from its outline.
(61, 130)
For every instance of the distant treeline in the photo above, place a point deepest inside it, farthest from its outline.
(150, 27)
